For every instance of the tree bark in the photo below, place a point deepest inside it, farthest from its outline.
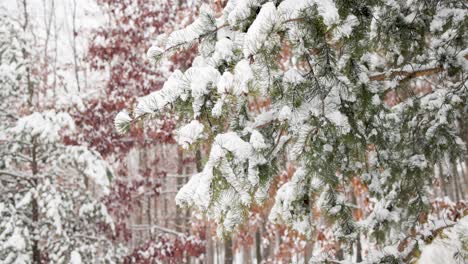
(308, 250)
(228, 254)
(340, 252)
(464, 133)
(74, 49)
(198, 160)
(209, 250)
(267, 249)
(440, 175)
(36, 253)
(180, 182)
(444, 180)
(258, 246)
(35, 207)
(463, 123)
(358, 249)
(463, 179)
(458, 186)
(454, 176)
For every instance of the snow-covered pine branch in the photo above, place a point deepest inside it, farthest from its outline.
(352, 93)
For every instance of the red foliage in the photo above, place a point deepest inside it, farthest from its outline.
(124, 198)
(118, 50)
(448, 210)
(169, 250)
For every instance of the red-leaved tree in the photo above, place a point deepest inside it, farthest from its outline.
(116, 51)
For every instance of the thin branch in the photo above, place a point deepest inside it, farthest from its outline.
(178, 175)
(14, 174)
(156, 227)
(199, 38)
(407, 74)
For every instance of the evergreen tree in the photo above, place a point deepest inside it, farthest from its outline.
(371, 89)
(48, 213)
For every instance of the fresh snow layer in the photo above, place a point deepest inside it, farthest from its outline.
(46, 125)
(447, 247)
(189, 133)
(291, 9)
(258, 32)
(75, 258)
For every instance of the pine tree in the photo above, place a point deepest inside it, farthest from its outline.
(48, 212)
(358, 89)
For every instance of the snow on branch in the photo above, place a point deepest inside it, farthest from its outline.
(45, 126)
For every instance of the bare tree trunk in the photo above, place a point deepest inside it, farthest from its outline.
(454, 176)
(358, 249)
(357, 218)
(35, 218)
(26, 56)
(277, 242)
(258, 246)
(218, 253)
(267, 249)
(48, 17)
(465, 171)
(209, 250)
(228, 254)
(198, 160)
(463, 178)
(35, 206)
(458, 187)
(141, 210)
(166, 221)
(180, 181)
(441, 177)
(156, 198)
(148, 214)
(464, 133)
(340, 252)
(54, 83)
(36, 253)
(308, 249)
(445, 172)
(74, 49)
